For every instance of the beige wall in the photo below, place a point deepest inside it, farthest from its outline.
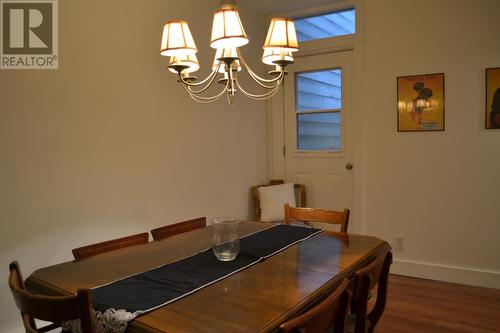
(110, 145)
(440, 190)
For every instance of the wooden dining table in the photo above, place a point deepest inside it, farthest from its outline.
(256, 299)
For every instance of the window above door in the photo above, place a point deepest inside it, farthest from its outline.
(333, 24)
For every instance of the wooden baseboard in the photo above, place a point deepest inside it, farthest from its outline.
(456, 274)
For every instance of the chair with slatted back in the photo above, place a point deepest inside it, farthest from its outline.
(178, 228)
(87, 251)
(308, 215)
(299, 189)
(52, 309)
(331, 311)
(366, 279)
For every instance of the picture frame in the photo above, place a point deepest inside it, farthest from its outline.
(420, 103)
(492, 98)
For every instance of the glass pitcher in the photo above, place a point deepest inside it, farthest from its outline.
(226, 242)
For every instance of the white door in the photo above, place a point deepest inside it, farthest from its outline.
(318, 128)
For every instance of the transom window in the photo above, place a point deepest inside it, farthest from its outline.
(326, 25)
(318, 108)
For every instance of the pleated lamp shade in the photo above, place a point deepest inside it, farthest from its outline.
(227, 30)
(177, 39)
(281, 35)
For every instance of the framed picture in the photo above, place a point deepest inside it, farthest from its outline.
(421, 103)
(493, 97)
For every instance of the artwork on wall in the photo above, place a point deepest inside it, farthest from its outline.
(493, 97)
(421, 103)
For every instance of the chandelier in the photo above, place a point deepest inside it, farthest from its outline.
(227, 36)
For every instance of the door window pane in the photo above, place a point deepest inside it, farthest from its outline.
(326, 25)
(318, 109)
(320, 90)
(318, 131)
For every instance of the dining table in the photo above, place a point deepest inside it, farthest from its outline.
(258, 298)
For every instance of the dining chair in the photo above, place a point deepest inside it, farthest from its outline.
(48, 308)
(299, 189)
(308, 215)
(178, 228)
(373, 275)
(330, 312)
(87, 251)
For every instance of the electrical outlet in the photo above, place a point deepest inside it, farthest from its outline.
(399, 244)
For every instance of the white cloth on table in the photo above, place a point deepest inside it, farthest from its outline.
(111, 321)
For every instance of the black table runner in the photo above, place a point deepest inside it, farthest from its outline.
(146, 291)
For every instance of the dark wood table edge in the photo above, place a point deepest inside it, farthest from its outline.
(322, 292)
(39, 287)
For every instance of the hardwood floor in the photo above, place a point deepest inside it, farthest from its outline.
(418, 305)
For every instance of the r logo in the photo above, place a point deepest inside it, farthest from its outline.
(29, 33)
(27, 27)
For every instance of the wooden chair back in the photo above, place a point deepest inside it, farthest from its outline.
(319, 215)
(53, 309)
(375, 274)
(178, 228)
(300, 191)
(332, 311)
(87, 251)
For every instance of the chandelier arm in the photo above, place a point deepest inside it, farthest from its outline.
(207, 100)
(210, 78)
(259, 97)
(253, 74)
(197, 84)
(255, 79)
(200, 90)
(203, 99)
(196, 99)
(262, 82)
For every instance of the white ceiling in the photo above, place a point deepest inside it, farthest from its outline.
(269, 7)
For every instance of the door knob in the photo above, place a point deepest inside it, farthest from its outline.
(348, 166)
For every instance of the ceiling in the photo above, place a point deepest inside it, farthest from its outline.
(269, 7)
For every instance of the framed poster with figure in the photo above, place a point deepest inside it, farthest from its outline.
(421, 103)
(492, 98)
